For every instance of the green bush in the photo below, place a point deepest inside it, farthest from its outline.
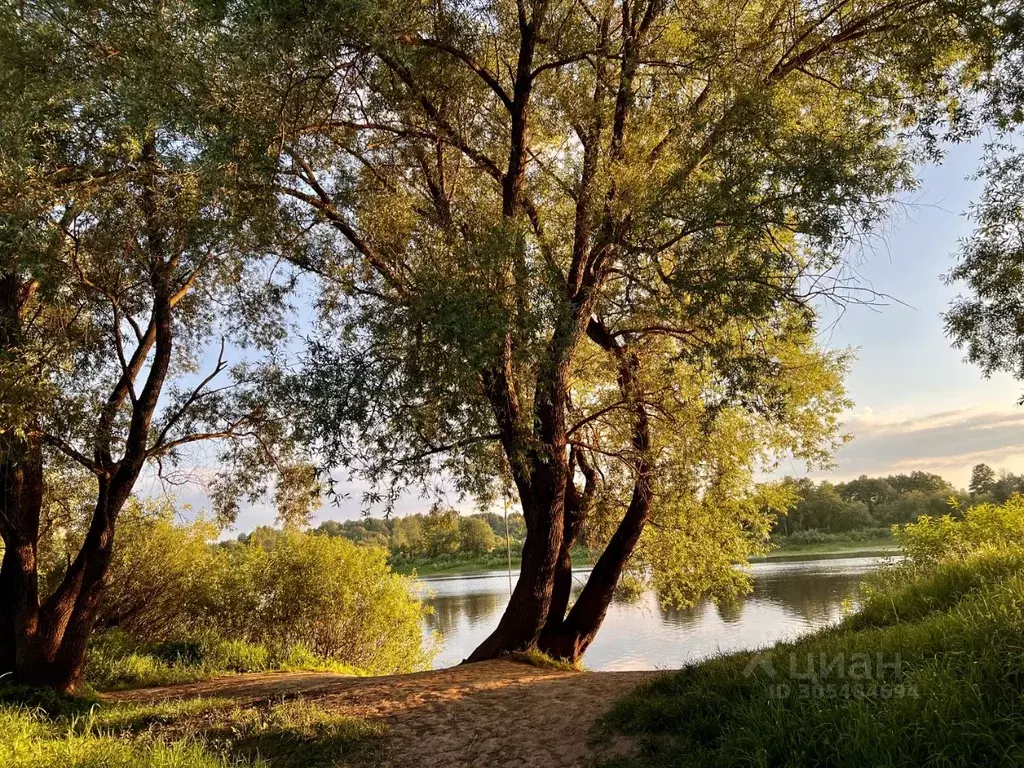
(337, 600)
(309, 602)
(933, 539)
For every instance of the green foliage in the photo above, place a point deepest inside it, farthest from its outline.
(666, 203)
(338, 600)
(475, 535)
(863, 504)
(932, 540)
(986, 320)
(178, 609)
(408, 537)
(441, 531)
(441, 535)
(953, 696)
(983, 479)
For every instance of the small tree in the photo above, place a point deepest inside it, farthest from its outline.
(407, 536)
(983, 479)
(441, 531)
(475, 535)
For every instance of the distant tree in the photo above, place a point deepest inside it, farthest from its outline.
(983, 479)
(869, 490)
(921, 482)
(366, 530)
(441, 531)
(1006, 485)
(908, 507)
(475, 535)
(820, 507)
(409, 536)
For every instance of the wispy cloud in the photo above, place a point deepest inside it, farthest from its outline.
(949, 442)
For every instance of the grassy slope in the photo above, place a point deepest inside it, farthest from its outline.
(955, 699)
(193, 733)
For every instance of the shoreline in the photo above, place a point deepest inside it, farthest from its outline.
(782, 555)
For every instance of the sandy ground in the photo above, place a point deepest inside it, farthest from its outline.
(494, 714)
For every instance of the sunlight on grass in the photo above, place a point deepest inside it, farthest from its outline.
(189, 733)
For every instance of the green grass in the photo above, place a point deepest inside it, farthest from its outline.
(818, 545)
(190, 733)
(542, 660)
(947, 693)
(118, 662)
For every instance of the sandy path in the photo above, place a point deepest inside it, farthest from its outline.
(488, 715)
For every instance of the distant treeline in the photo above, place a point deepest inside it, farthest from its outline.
(881, 502)
(440, 533)
(863, 505)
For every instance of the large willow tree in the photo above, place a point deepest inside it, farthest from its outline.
(582, 243)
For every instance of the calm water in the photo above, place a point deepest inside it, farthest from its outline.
(788, 600)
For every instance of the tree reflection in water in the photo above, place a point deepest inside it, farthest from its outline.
(640, 632)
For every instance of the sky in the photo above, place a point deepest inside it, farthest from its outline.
(917, 404)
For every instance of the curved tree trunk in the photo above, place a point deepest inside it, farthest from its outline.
(578, 630)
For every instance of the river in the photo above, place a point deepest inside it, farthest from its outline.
(788, 599)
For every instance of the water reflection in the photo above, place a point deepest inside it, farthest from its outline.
(788, 599)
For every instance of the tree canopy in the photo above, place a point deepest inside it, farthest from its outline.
(580, 246)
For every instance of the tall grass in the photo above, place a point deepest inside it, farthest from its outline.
(117, 661)
(928, 673)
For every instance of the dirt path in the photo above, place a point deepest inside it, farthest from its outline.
(496, 714)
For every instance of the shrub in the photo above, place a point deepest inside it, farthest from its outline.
(337, 600)
(932, 540)
(309, 602)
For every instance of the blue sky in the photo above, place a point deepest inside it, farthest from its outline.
(918, 406)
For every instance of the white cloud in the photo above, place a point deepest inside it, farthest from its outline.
(948, 442)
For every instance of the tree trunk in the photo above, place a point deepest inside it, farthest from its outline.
(68, 616)
(561, 587)
(21, 496)
(527, 611)
(577, 506)
(580, 627)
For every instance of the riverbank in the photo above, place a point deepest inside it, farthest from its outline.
(927, 673)
(786, 552)
(828, 551)
(468, 565)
